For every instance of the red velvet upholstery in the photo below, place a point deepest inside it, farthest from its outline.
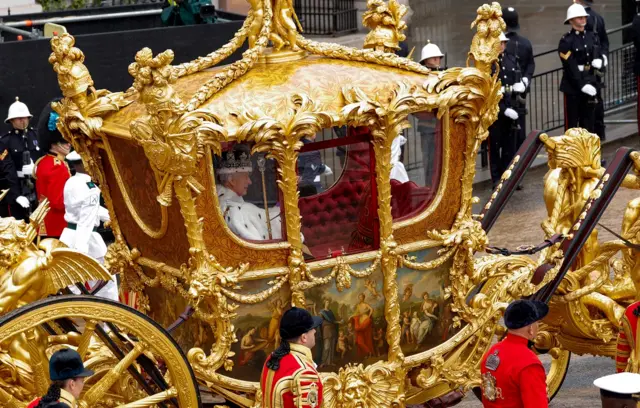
(341, 217)
(408, 198)
(329, 218)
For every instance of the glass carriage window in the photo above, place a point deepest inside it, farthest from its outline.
(248, 195)
(416, 157)
(338, 201)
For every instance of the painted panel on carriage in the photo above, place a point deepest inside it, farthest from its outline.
(425, 316)
(354, 330)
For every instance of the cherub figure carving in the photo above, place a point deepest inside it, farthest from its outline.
(386, 25)
(485, 46)
(30, 272)
(285, 25)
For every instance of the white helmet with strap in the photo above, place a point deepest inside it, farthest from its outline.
(430, 51)
(18, 110)
(575, 10)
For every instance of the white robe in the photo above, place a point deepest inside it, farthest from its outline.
(247, 220)
(398, 172)
(82, 208)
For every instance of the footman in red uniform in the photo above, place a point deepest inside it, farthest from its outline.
(51, 174)
(289, 378)
(627, 352)
(512, 374)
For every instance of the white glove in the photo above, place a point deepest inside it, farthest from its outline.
(511, 114)
(327, 170)
(502, 90)
(23, 201)
(596, 63)
(519, 87)
(27, 170)
(606, 61)
(525, 80)
(589, 90)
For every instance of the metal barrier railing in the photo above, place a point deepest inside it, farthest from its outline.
(327, 17)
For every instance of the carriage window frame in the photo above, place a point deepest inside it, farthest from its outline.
(257, 244)
(350, 139)
(438, 180)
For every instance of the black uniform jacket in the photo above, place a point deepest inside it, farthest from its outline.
(595, 24)
(577, 50)
(521, 47)
(17, 141)
(8, 176)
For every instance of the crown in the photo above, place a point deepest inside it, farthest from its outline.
(235, 161)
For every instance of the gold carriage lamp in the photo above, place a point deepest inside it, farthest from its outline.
(306, 174)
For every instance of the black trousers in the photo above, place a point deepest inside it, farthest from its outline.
(579, 111)
(14, 210)
(503, 139)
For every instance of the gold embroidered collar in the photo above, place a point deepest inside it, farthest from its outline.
(68, 399)
(300, 349)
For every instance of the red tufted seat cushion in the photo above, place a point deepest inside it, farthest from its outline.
(329, 218)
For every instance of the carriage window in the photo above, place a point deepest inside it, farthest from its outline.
(338, 201)
(248, 194)
(416, 158)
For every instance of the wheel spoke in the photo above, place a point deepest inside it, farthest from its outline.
(85, 340)
(38, 358)
(152, 399)
(97, 391)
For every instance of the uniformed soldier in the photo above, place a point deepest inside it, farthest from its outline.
(596, 25)
(580, 58)
(83, 214)
(520, 49)
(67, 374)
(51, 173)
(619, 390)
(289, 378)
(22, 144)
(628, 347)
(431, 57)
(245, 219)
(512, 374)
(503, 134)
(9, 181)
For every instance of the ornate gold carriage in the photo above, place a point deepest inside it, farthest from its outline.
(387, 259)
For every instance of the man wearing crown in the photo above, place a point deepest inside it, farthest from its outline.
(246, 220)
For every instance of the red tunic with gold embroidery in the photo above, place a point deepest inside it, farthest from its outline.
(296, 384)
(51, 174)
(513, 376)
(627, 357)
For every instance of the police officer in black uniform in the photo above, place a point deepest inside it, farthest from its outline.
(9, 181)
(503, 134)
(580, 58)
(520, 48)
(595, 24)
(21, 143)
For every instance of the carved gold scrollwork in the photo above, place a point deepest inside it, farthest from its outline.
(279, 135)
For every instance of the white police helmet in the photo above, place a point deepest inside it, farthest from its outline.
(575, 10)
(430, 51)
(18, 110)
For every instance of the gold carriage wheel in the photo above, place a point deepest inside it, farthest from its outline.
(560, 359)
(150, 337)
